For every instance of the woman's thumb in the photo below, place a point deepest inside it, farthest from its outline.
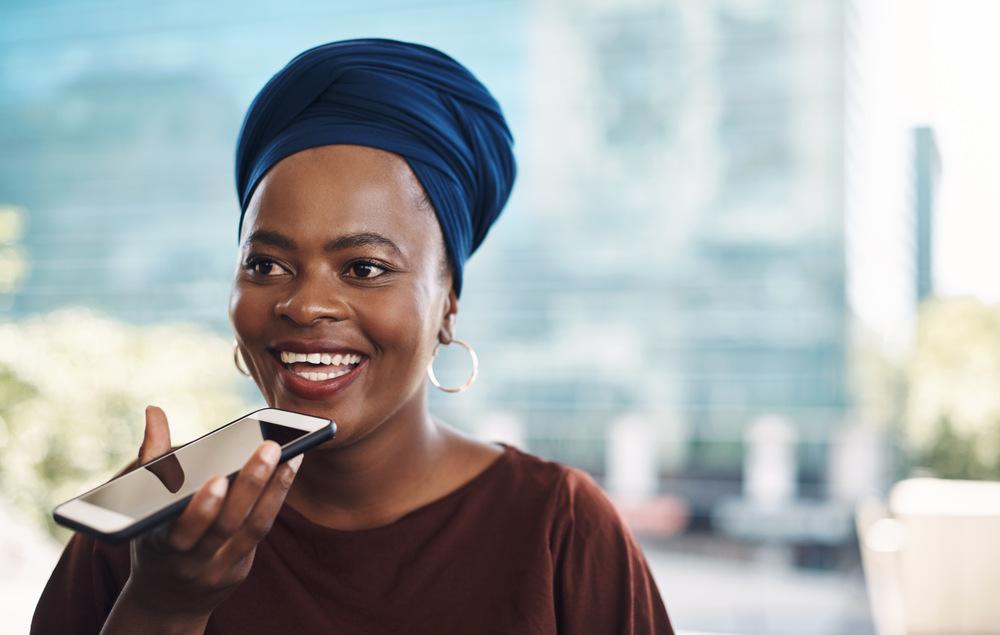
(156, 438)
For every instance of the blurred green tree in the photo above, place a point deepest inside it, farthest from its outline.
(13, 260)
(73, 389)
(953, 404)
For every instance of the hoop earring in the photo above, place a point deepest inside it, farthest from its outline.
(237, 358)
(469, 382)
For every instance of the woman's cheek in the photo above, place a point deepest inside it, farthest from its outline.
(399, 328)
(246, 312)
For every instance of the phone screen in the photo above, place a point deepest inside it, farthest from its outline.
(174, 476)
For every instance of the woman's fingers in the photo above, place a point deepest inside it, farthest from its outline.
(224, 521)
(261, 518)
(243, 494)
(156, 438)
(199, 514)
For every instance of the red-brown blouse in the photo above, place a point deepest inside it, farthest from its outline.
(527, 546)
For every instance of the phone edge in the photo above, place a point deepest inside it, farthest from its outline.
(298, 446)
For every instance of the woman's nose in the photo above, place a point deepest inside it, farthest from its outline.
(309, 301)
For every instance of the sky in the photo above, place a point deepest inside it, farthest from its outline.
(921, 63)
(949, 58)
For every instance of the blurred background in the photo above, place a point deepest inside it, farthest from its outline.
(746, 279)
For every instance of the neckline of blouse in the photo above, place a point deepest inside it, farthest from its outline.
(290, 513)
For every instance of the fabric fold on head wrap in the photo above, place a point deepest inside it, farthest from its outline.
(405, 98)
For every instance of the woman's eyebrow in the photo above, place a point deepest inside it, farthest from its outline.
(347, 241)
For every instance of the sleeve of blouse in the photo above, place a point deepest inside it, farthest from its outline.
(84, 585)
(603, 582)
(82, 588)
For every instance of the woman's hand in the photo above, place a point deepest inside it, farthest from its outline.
(183, 569)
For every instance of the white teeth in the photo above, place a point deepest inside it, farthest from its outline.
(288, 357)
(322, 376)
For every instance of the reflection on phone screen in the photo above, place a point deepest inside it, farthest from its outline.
(174, 476)
(169, 471)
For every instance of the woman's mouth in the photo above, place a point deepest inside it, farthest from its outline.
(320, 366)
(318, 375)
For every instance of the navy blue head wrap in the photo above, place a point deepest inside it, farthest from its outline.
(405, 98)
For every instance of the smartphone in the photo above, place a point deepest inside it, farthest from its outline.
(153, 493)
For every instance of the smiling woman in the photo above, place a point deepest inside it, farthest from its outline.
(340, 258)
(368, 172)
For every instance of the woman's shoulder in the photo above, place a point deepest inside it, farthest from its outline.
(526, 470)
(548, 470)
(531, 466)
(571, 491)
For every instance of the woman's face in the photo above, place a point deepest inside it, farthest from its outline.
(340, 262)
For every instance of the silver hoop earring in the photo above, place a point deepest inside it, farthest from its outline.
(469, 382)
(237, 358)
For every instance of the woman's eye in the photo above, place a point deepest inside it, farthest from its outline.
(366, 270)
(262, 266)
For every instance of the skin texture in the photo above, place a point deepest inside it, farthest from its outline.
(390, 456)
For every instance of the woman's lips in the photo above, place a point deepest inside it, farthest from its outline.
(317, 390)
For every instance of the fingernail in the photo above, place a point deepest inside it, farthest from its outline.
(271, 453)
(218, 487)
(294, 463)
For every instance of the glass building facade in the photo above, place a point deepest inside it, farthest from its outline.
(674, 248)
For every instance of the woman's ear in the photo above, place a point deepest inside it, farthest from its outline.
(447, 332)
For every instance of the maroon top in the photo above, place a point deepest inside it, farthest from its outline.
(526, 546)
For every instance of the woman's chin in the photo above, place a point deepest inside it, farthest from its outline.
(312, 408)
(345, 432)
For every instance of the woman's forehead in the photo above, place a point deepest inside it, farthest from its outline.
(323, 192)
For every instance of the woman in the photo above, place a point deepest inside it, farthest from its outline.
(368, 171)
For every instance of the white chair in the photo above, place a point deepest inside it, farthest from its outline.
(932, 558)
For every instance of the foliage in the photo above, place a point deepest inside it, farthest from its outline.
(950, 455)
(13, 261)
(953, 406)
(73, 389)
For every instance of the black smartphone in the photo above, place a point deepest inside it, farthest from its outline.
(154, 493)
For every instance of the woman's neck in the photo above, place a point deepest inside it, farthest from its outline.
(395, 469)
